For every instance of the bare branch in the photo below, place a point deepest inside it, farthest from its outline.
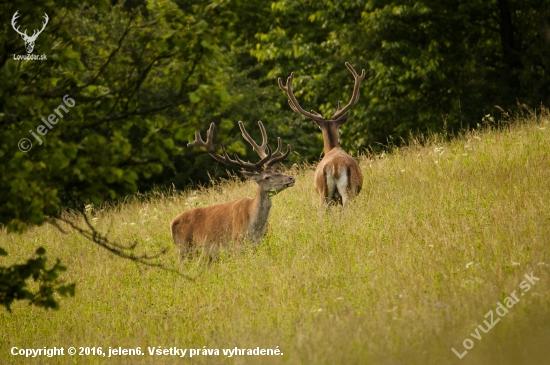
(120, 250)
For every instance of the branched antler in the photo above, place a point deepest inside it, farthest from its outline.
(268, 158)
(260, 150)
(342, 113)
(43, 26)
(208, 145)
(294, 103)
(29, 40)
(13, 19)
(35, 33)
(340, 116)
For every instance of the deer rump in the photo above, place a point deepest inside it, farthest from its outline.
(337, 177)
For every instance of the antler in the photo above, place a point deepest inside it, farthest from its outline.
(316, 117)
(261, 149)
(208, 145)
(225, 159)
(35, 34)
(275, 160)
(13, 19)
(341, 114)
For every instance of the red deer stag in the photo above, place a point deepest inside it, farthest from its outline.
(338, 176)
(245, 218)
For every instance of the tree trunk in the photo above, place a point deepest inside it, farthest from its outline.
(510, 52)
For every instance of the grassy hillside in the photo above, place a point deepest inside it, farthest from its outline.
(439, 235)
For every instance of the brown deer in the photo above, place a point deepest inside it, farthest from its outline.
(338, 177)
(245, 218)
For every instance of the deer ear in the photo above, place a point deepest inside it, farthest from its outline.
(342, 119)
(252, 175)
(319, 123)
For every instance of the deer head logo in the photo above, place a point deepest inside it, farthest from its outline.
(29, 40)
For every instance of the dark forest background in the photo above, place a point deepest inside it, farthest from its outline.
(146, 75)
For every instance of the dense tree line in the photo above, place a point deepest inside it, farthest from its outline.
(143, 75)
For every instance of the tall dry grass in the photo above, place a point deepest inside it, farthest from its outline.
(441, 232)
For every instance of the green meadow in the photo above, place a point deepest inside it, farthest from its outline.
(443, 230)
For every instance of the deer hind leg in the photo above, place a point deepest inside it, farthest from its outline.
(342, 187)
(331, 191)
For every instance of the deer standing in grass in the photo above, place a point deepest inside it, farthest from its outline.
(245, 218)
(338, 177)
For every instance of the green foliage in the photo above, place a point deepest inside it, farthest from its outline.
(407, 272)
(145, 74)
(142, 81)
(14, 282)
(127, 84)
(431, 65)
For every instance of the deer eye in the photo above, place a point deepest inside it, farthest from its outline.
(267, 178)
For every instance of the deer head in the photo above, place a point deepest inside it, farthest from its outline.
(264, 171)
(29, 40)
(329, 127)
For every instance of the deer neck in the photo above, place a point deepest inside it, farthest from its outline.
(330, 136)
(259, 212)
